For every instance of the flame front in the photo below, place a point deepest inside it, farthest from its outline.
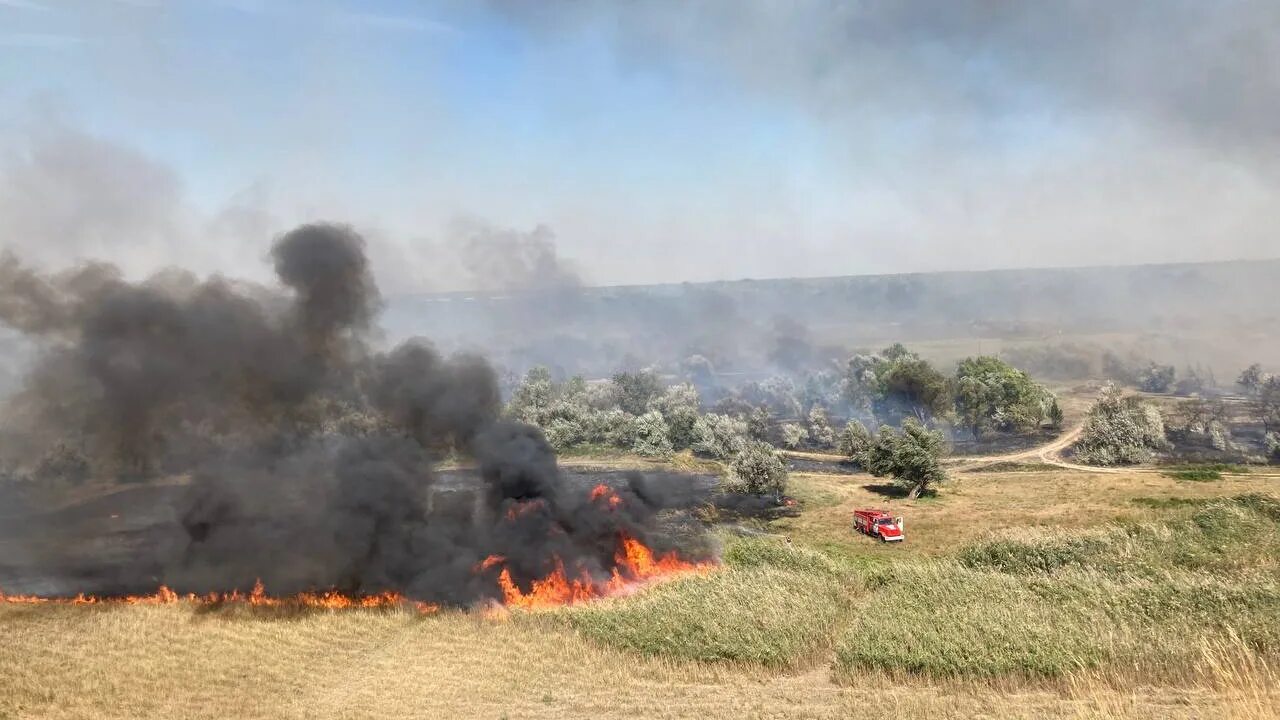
(633, 563)
(257, 597)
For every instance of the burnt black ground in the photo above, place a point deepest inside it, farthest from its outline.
(87, 546)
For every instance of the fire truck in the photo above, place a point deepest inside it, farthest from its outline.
(879, 524)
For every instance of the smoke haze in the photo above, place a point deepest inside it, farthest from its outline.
(661, 141)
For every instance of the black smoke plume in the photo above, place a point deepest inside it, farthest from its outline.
(310, 456)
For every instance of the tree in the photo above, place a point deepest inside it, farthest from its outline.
(563, 433)
(855, 442)
(909, 385)
(1156, 378)
(1120, 430)
(911, 457)
(652, 436)
(991, 394)
(679, 407)
(633, 391)
(1194, 381)
(1266, 403)
(776, 393)
(1272, 441)
(757, 469)
(1251, 379)
(532, 397)
(820, 432)
(758, 424)
(821, 388)
(895, 384)
(792, 435)
(1054, 414)
(719, 436)
(1195, 418)
(609, 427)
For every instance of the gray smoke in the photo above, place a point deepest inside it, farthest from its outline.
(311, 456)
(513, 260)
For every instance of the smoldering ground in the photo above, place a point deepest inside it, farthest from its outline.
(310, 455)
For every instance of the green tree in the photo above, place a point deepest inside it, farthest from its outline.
(758, 424)
(912, 457)
(652, 435)
(855, 442)
(820, 432)
(679, 406)
(1054, 414)
(719, 436)
(757, 469)
(896, 384)
(992, 395)
(533, 397)
(633, 391)
(792, 435)
(1120, 430)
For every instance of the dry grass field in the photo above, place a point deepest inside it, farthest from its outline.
(785, 637)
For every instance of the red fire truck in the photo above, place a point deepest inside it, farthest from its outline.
(878, 523)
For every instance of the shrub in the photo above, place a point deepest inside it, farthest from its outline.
(719, 436)
(758, 470)
(652, 436)
(1219, 436)
(1120, 430)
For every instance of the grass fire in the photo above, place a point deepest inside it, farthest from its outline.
(310, 456)
(712, 359)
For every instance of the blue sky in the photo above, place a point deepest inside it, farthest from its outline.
(675, 142)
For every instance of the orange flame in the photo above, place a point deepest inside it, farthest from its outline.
(329, 600)
(635, 563)
(607, 493)
(523, 508)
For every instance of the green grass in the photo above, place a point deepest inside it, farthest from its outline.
(772, 604)
(1155, 503)
(1197, 475)
(1204, 472)
(1141, 598)
(945, 620)
(1013, 466)
(1221, 536)
(1144, 598)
